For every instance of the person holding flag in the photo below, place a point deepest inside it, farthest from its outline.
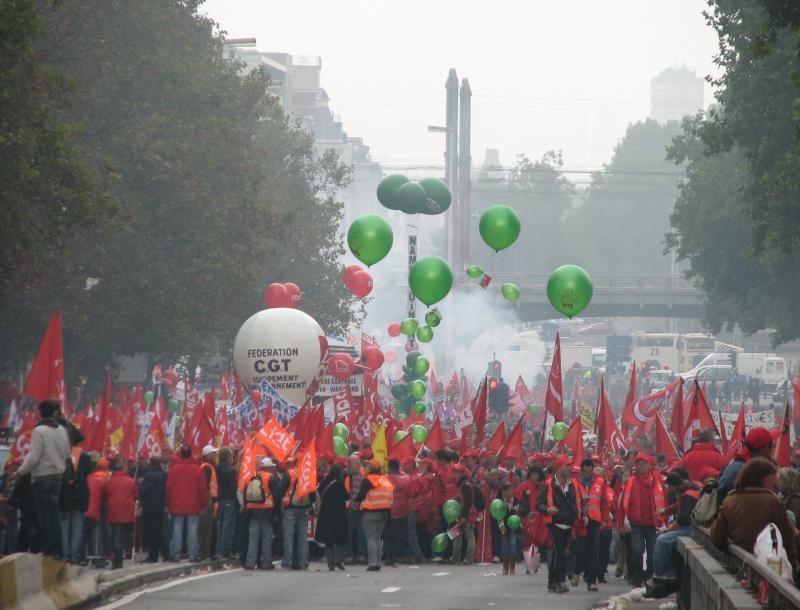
(297, 505)
(259, 503)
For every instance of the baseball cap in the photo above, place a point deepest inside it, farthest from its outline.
(758, 438)
(267, 463)
(208, 449)
(645, 458)
(563, 460)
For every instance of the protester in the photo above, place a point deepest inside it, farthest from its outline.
(375, 498)
(356, 550)
(644, 505)
(226, 501)
(702, 454)
(332, 521)
(152, 494)
(395, 535)
(205, 523)
(789, 490)
(296, 510)
(187, 497)
(421, 505)
(95, 522)
(757, 443)
(594, 502)
(509, 536)
(262, 495)
(46, 463)
(74, 497)
(119, 496)
(558, 502)
(465, 496)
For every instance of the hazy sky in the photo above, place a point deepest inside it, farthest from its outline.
(557, 74)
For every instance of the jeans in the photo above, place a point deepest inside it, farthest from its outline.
(176, 543)
(72, 535)
(45, 495)
(413, 538)
(226, 526)
(295, 537)
(468, 534)
(557, 564)
(587, 553)
(120, 533)
(665, 563)
(643, 537)
(509, 544)
(259, 531)
(374, 521)
(205, 527)
(357, 542)
(152, 523)
(97, 537)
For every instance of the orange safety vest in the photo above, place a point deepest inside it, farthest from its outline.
(596, 499)
(381, 496)
(658, 497)
(213, 490)
(550, 504)
(269, 501)
(299, 502)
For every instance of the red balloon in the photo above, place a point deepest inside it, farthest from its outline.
(391, 357)
(276, 295)
(394, 329)
(373, 357)
(361, 284)
(255, 396)
(294, 294)
(169, 378)
(349, 271)
(341, 366)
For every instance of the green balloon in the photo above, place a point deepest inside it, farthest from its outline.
(419, 433)
(411, 358)
(439, 196)
(439, 543)
(412, 198)
(387, 190)
(418, 388)
(340, 431)
(514, 522)
(569, 290)
(369, 238)
(499, 227)
(430, 279)
(474, 271)
(451, 510)
(433, 318)
(533, 409)
(510, 291)
(498, 509)
(148, 397)
(173, 404)
(408, 326)
(559, 431)
(400, 435)
(399, 390)
(422, 365)
(339, 446)
(424, 334)
(420, 408)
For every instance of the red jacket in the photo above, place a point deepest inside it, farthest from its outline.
(401, 506)
(422, 490)
(644, 500)
(119, 494)
(700, 456)
(96, 481)
(187, 490)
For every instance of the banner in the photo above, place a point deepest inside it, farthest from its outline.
(330, 386)
(279, 442)
(307, 471)
(765, 419)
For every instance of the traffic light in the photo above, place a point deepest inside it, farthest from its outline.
(618, 349)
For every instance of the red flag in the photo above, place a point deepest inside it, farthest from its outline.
(46, 377)
(553, 401)
(403, 449)
(574, 441)
(22, 440)
(279, 441)
(796, 392)
(723, 434)
(435, 440)
(699, 417)
(498, 439)
(783, 448)
(738, 434)
(222, 427)
(645, 407)
(202, 429)
(251, 453)
(130, 435)
(324, 441)
(99, 436)
(513, 445)
(154, 440)
(608, 435)
(630, 399)
(664, 442)
(479, 413)
(678, 422)
(521, 390)
(307, 471)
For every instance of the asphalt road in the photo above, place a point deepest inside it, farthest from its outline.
(427, 586)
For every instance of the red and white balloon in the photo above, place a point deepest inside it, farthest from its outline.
(341, 366)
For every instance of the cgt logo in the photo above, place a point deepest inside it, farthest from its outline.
(272, 366)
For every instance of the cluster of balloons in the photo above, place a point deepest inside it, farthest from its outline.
(569, 289)
(430, 279)
(340, 434)
(357, 280)
(428, 196)
(282, 295)
(499, 510)
(409, 392)
(370, 238)
(411, 328)
(499, 227)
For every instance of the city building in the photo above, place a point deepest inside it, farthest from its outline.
(674, 93)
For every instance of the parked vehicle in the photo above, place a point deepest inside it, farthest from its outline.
(769, 369)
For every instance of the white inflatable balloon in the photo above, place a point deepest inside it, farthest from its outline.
(284, 346)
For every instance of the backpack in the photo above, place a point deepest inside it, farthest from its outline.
(254, 492)
(478, 499)
(705, 511)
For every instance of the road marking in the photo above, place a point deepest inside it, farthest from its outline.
(441, 574)
(135, 595)
(391, 589)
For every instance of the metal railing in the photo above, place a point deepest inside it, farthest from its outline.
(748, 574)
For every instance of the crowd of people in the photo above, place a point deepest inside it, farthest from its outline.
(577, 518)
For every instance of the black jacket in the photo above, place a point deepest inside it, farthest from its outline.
(226, 481)
(74, 488)
(152, 490)
(332, 523)
(565, 502)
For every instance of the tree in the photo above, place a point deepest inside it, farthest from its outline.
(751, 138)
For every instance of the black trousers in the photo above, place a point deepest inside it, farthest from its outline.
(152, 535)
(587, 553)
(605, 552)
(395, 539)
(557, 564)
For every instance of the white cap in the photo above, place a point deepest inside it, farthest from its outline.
(209, 449)
(267, 463)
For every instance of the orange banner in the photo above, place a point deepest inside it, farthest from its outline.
(279, 442)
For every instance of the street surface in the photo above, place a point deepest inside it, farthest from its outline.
(427, 586)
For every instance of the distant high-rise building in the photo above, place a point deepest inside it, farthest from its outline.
(674, 93)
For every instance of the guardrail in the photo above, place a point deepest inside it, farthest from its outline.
(730, 579)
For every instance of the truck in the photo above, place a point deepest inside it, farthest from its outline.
(769, 369)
